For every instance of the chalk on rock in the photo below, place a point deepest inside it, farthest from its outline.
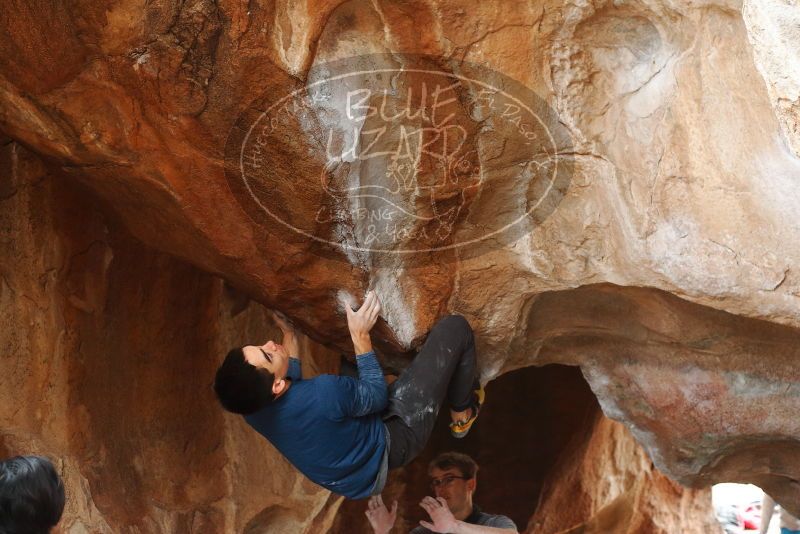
(345, 298)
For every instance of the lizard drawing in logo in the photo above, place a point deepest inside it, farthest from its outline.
(407, 155)
(426, 172)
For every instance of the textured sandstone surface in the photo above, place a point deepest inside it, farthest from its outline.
(109, 350)
(609, 485)
(773, 28)
(663, 263)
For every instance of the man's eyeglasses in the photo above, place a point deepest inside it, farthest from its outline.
(445, 481)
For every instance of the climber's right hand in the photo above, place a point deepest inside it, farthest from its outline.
(361, 322)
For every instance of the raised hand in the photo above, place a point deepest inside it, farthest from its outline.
(381, 519)
(361, 322)
(442, 517)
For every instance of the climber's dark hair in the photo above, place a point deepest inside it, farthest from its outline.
(241, 387)
(31, 495)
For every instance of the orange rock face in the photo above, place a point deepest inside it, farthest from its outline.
(109, 353)
(608, 484)
(598, 184)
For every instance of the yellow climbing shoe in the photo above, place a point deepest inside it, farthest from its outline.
(459, 429)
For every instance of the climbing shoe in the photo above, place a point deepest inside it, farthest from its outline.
(459, 429)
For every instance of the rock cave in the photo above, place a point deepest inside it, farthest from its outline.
(607, 190)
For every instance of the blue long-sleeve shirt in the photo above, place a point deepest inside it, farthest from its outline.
(329, 426)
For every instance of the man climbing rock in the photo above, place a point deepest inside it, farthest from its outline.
(453, 480)
(345, 433)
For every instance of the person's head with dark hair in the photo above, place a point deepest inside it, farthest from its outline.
(453, 478)
(252, 377)
(466, 466)
(31, 495)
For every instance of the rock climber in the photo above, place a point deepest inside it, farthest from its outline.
(345, 433)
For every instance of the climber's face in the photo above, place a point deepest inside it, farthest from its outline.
(452, 487)
(270, 356)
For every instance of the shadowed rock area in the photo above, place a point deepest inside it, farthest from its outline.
(606, 185)
(543, 445)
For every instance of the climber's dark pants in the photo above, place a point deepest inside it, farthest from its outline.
(445, 366)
